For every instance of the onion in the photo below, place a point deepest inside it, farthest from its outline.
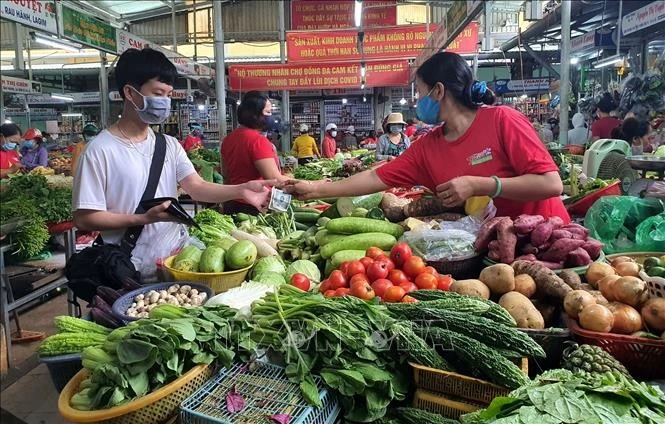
(630, 290)
(621, 259)
(626, 318)
(628, 269)
(596, 318)
(653, 313)
(597, 271)
(606, 286)
(575, 301)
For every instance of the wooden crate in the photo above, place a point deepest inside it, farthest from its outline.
(447, 406)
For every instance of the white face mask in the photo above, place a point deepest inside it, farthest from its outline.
(156, 109)
(333, 133)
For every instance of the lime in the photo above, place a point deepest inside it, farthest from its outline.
(652, 262)
(657, 271)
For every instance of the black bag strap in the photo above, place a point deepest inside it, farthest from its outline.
(133, 233)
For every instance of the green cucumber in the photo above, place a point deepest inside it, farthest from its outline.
(323, 237)
(346, 256)
(359, 242)
(306, 217)
(302, 226)
(355, 225)
(359, 212)
(346, 205)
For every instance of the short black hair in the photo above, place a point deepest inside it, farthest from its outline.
(136, 67)
(250, 111)
(9, 129)
(606, 103)
(632, 128)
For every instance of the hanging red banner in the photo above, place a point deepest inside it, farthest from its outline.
(466, 41)
(338, 14)
(385, 73)
(398, 42)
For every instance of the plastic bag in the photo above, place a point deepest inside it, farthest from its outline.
(444, 240)
(628, 224)
(164, 240)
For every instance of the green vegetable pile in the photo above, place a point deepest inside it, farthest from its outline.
(53, 203)
(207, 162)
(32, 235)
(560, 396)
(318, 170)
(214, 226)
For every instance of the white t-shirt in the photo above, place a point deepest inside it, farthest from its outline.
(112, 175)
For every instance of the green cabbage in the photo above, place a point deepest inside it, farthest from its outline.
(269, 264)
(306, 267)
(268, 277)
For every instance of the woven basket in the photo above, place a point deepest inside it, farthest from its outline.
(447, 406)
(656, 285)
(154, 408)
(218, 281)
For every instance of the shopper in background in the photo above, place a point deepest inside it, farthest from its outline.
(33, 153)
(580, 134)
(10, 137)
(394, 142)
(603, 127)
(350, 141)
(195, 137)
(411, 128)
(247, 154)
(477, 151)
(636, 133)
(89, 131)
(304, 146)
(370, 141)
(421, 129)
(329, 145)
(113, 170)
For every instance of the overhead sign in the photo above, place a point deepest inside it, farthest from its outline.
(583, 42)
(88, 30)
(528, 85)
(19, 85)
(651, 14)
(311, 76)
(399, 42)
(114, 96)
(32, 13)
(339, 14)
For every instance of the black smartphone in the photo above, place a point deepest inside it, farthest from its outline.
(175, 209)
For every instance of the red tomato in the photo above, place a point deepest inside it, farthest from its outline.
(394, 294)
(337, 280)
(325, 286)
(344, 266)
(444, 282)
(398, 277)
(387, 260)
(409, 299)
(300, 281)
(380, 286)
(362, 290)
(366, 261)
(377, 270)
(329, 293)
(408, 286)
(400, 253)
(431, 270)
(414, 266)
(426, 281)
(358, 277)
(373, 252)
(355, 267)
(341, 292)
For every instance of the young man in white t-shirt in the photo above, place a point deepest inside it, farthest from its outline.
(113, 170)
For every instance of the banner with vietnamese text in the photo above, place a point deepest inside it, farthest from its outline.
(337, 14)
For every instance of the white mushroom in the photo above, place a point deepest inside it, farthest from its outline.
(140, 304)
(193, 292)
(161, 301)
(163, 294)
(154, 297)
(185, 289)
(133, 305)
(173, 289)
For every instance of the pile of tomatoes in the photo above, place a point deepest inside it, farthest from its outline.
(390, 278)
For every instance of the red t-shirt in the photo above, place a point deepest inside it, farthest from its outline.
(410, 130)
(329, 147)
(191, 142)
(240, 150)
(500, 141)
(8, 158)
(603, 127)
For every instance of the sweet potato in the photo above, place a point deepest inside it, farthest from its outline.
(530, 249)
(578, 257)
(541, 234)
(551, 265)
(524, 224)
(572, 279)
(494, 255)
(593, 248)
(529, 257)
(547, 281)
(573, 228)
(561, 234)
(507, 240)
(556, 222)
(487, 232)
(560, 250)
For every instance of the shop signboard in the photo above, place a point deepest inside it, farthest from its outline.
(312, 76)
(88, 30)
(19, 85)
(44, 99)
(33, 13)
(644, 17)
(583, 42)
(36, 113)
(465, 42)
(114, 96)
(528, 85)
(309, 15)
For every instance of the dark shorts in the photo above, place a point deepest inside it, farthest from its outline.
(304, 161)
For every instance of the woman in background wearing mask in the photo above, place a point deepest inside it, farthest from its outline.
(194, 138)
(477, 151)
(10, 136)
(329, 145)
(394, 142)
(33, 154)
(247, 154)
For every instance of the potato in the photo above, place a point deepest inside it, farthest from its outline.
(576, 301)
(474, 288)
(500, 278)
(653, 314)
(524, 284)
(522, 310)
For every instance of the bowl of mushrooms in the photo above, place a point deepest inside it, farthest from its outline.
(138, 303)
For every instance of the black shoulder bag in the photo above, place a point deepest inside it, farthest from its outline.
(109, 264)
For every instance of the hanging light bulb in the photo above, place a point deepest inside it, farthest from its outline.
(238, 102)
(402, 101)
(363, 69)
(344, 101)
(364, 99)
(358, 13)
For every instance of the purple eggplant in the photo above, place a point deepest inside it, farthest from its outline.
(108, 294)
(130, 284)
(98, 302)
(101, 317)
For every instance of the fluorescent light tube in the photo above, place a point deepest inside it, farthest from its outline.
(62, 97)
(71, 115)
(358, 13)
(608, 61)
(58, 44)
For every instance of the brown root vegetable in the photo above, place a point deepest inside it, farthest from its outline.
(487, 233)
(621, 259)
(627, 269)
(578, 257)
(524, 284)
(474, 288)
(626, 318)
(600, 299)
(556, 222)
(653, 314)
(631, 291)
(541, 234)
(525, 224)
(551, 265)
(593, 248)
(522, 310)
(529, 249)
(606, 286)
(393, 207)
(586, 287)
(561, 234)
(426, 206)
(547, 281)
(507, 240)
(530, 257)
(500, 278)
(596, 318)
(597, 271)
(572, 279)
(560, 250)
(576, 301)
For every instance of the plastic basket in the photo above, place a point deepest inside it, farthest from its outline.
(266, 390)
(581, 207)
(461, 268)
(656, 285)
(62, 368)
(552, 340)
(639, 355)
(459, 385)
(154, 408)
(447, 406)
(218, 281)
(123, 303)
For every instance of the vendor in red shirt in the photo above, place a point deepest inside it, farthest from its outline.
(247, 154)
(329, 145)
(411, 128)
(603, 127)
(10, 137)
(478, 151)
(194, 138)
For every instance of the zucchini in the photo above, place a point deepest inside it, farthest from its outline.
(346, 256)
(306, 217)
(302, 227)
(324, 237)
(355, 225)
(359, 242)
(359, 212)
(346, 205)
(321, 222)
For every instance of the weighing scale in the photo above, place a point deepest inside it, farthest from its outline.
(645, 164)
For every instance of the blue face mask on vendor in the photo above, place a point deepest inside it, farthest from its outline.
(428, 109)
(29, 144)
(9, 146)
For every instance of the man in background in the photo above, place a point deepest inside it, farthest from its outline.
(304, 146)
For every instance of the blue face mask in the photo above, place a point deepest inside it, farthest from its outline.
(29, 144)
(8, 146)
(428, 109)
(156, 109)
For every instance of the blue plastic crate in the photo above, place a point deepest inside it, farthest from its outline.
(266, 391)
